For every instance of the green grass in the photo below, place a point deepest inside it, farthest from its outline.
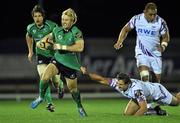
(99, 111)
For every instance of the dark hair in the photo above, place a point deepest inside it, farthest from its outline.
(38, 8)
(123, 76)
(151, 6)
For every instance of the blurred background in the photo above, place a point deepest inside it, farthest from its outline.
(100, 22)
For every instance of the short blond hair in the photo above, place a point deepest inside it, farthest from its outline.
(71, 13)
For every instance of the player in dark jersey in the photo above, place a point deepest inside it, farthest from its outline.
(68, 44)
(36, 31)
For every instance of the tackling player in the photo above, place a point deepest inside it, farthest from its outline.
(140, 93)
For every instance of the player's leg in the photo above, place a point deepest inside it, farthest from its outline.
(72, 86)
(131, 108)
(42, 64)
(49, 72)
(59, 85)
(144, 72)
(165, 98)
(143, 64)
(156, 66)
(178, 96)
(41, 68)
(175, 100)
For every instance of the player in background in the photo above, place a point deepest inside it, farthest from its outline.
(36, 31)
(151, 41)
(139, 93)
(69, 43)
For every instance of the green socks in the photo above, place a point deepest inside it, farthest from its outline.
(77, 98)
(42, 88)
(48, 95)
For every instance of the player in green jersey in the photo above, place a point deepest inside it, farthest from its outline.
(68, 44)
(36, 32)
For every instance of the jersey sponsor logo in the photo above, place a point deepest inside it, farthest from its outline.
(146, 31)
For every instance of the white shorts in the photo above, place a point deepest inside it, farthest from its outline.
(165, 97)
(154, 63)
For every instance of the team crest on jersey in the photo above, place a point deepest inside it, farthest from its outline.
(34, 31)
(59, 37)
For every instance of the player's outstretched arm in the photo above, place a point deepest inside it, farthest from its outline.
(95, 77)
(98, 78)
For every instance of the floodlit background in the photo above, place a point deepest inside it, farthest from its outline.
(100, 22)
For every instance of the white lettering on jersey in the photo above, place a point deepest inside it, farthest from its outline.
(148, 34)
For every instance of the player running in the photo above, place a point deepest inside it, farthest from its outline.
(35, 33)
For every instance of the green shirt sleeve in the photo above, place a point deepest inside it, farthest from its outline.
(77, 33)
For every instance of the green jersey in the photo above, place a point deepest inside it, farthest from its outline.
(68, 38)
(38, 33)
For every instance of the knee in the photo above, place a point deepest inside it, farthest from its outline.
(144, 75)
(45, 78)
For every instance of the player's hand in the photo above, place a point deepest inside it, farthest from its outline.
(118, 45)
(84, 70)
(30, 55)
(41, 45)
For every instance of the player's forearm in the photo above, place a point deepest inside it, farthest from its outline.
(165, 40)
(29, 42)
(77, 47)
(123, 34)
(95, 77)
(99, 78)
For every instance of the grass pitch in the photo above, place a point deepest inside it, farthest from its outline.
(98, 110)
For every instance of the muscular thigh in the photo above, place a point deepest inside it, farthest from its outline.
(49, 72)
(71, 84)
(56, 78)
(41, 68)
